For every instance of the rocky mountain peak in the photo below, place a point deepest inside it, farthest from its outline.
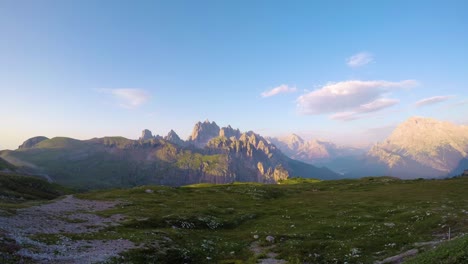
(203, 132)
(294, 141)
(174, 138)
(423, 143)
(426, 134)
(32, 142)
(146, 135)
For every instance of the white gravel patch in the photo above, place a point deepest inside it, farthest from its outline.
(68, 215)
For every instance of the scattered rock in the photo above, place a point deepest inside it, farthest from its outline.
(270, 239)
(149, 191)
(68, 215)
(255, 236)
(398, 258)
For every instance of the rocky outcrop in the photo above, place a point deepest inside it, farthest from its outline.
(174, 138)
(146, 135)
(229, 132)
(260, 160)
(251, 157)
(30, 143)
(203, 132)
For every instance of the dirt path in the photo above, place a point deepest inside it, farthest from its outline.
(68, 215)
(269, 256)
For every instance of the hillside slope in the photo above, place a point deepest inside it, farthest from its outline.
(6, 166)
(20, 188)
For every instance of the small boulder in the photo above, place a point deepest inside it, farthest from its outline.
(270, 239)
(149, 191)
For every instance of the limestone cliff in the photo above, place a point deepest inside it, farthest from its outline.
(203, 132)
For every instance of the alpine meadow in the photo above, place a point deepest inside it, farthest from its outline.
(270, 132)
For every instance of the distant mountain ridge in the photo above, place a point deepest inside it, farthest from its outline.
(222, 157)
(317, 152)
(313, 150)
(419, 147)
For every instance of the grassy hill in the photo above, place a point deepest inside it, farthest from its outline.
(18, 188)
(353, 221)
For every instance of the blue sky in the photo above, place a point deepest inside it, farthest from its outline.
(347, 71)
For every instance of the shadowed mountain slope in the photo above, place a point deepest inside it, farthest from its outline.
(119, 162)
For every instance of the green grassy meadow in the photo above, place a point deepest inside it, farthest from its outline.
(352, 221)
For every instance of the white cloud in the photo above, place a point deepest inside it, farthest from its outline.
(350, 96)
(277, 90)
(360, 59)
(128, 98)
(432, 100)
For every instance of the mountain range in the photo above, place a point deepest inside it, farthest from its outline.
(211, 154)
(417, 148)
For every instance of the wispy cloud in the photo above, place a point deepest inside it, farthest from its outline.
(360, 59)
(128, 98)
(377, 105)
(359, 112)
(350, 96)
(345, 116)
(277, 90)
(432, 100)
(464, 102)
